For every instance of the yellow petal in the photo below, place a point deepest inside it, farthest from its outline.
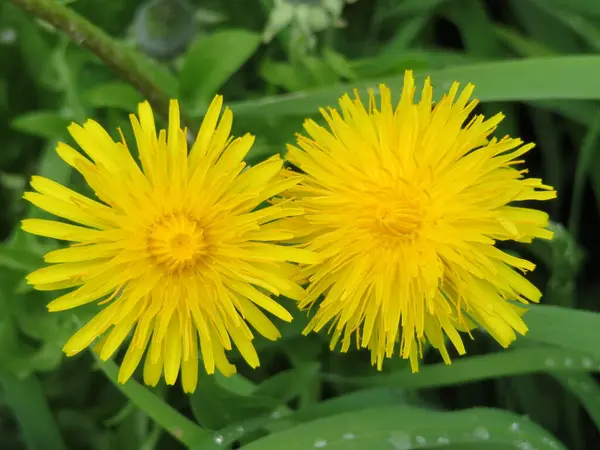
(58, 230)
(172, 349)
(90, 331)
(189, 368)
(134, 354)
(153, 368)
(260, 299)
(82, 253)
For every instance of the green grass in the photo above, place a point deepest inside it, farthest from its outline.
(538, 61)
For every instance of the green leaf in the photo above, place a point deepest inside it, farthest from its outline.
(586, 7)
(544, 27)
(585, 389)
(364, 398)
(283, 419)
(385, 64)
(158, 73)
(179, 426)
(522, 44)
(114, 95)
(210, 62)
(45, 124)
(3, 95)
(409, 7)
(405, 427)
(475, 26)
(339, 63)
(573, 20)
(20, 259)
(474, 368)
(587, 154)
(235, 383)
(320, 71)
(566, 77)
(283, 75)
(26, 400)
(288, 384)
(35, 51)
(216, 407)
(564, 327)
(548, 139)
(405, 35)
(581, 112)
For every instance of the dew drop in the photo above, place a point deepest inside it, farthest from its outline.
(8, 36)
(443, 440)
(554, 444)
(320, 443)
(348, 436)
(240, 429)
(549, 362)
(551, 443)
(400, 441)
(420, 440)
(481, 433)
(515, 427)
(524, 445)
(568, 362)
(219, 439)
(275, 415)
(587, 363)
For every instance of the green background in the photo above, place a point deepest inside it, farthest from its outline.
(277, 62)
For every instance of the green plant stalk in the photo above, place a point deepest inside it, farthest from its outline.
(584, 162)
(177, 425)
(26, 399)
(86, 34)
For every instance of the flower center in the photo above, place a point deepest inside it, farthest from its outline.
(177, 242)
(399, 218)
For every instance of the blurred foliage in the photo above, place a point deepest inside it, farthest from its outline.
(276, 61)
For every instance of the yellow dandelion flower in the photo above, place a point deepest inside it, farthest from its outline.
(404, 206)
(176, 249)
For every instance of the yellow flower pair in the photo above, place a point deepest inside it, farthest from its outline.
(388, 224)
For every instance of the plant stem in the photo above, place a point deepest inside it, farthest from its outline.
(177, 425)
(133, 67)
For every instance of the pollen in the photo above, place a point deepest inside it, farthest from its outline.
(178, 244)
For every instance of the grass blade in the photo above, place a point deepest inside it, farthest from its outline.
(545, 78)
(28, 403)
(584, 161)
(475, 368)
(179, 426)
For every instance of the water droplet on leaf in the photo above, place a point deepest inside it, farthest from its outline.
(481, 433)
(400, 440)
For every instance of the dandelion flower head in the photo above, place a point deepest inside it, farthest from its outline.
(405, 207)
(175, 249)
